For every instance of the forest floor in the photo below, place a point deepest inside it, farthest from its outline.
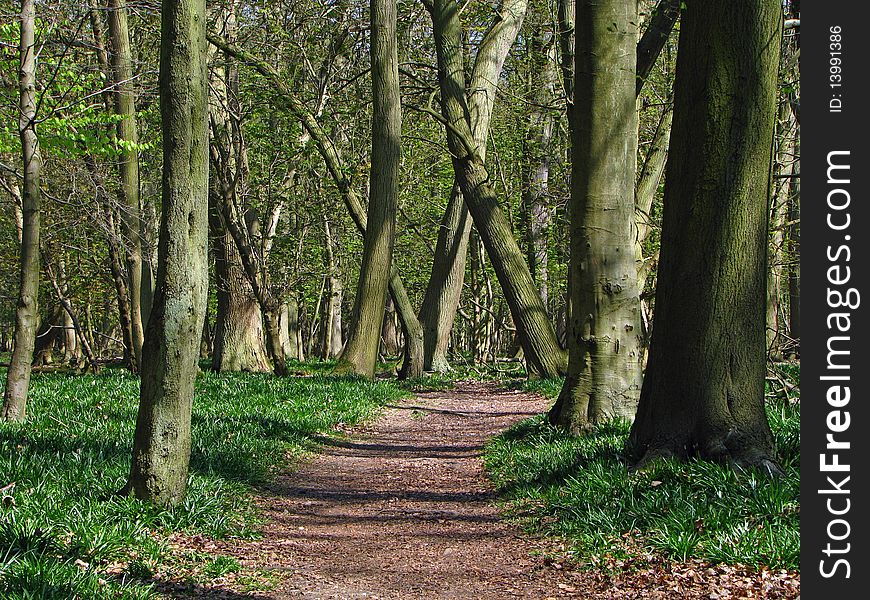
(402, 509)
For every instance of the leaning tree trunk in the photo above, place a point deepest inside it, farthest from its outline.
(543, 355)
(360, 354)
(128, 166)
(444, 290)
(27, 311)
(605, 335)
(703, 393)
(161, 447)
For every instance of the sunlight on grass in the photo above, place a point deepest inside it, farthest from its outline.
(580, 489)
(61, 526)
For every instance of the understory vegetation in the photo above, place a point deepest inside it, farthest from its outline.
(65, 533)
(580, 489)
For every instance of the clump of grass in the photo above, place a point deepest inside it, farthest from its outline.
(580, 489)
(62, 525)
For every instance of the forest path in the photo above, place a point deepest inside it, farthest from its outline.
(403, 509)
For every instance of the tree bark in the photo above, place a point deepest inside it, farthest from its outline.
(161, 447)
(654, 38)
(128, 165)
(238, 336)
(360, 354)
(27, 309)
(703, 393)
(332, 334)
(537, 154)
(543, 355)
(605, 342)
(230, 173)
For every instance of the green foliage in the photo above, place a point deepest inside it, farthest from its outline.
(64, 532)
(580, 489)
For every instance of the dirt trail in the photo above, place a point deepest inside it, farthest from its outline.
(403, 509)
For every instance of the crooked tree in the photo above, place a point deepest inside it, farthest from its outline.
(703, 393)
(443, 292)
(541, 349)
(161, 447)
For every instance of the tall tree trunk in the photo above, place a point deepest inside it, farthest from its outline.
(360, 354)
(390, 332)
(443, 292)
(128, 165)
(161, 447)
(537, 153)
(605, 336)
(777, 251)
(288, 318)
(441, 300)
(27, 310)
(647, 186)
(703, 393)
(543, 355)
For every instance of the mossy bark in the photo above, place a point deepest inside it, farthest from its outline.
(161, 447)
(703, 393)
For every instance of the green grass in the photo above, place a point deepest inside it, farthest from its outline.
(63, 532)
(579, 489)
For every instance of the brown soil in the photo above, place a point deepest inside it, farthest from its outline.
(402, 510)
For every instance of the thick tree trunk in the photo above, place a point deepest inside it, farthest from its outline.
(703, 393)
(441, 300)
(161, 447)
(390, 330)
(605, 338)
(238, 337)
(128, 165)
(229, 178)
(27, 310)
(543, 355)
(360, 354)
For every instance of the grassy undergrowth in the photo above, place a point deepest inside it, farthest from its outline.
(579, 489)
(64, 534)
